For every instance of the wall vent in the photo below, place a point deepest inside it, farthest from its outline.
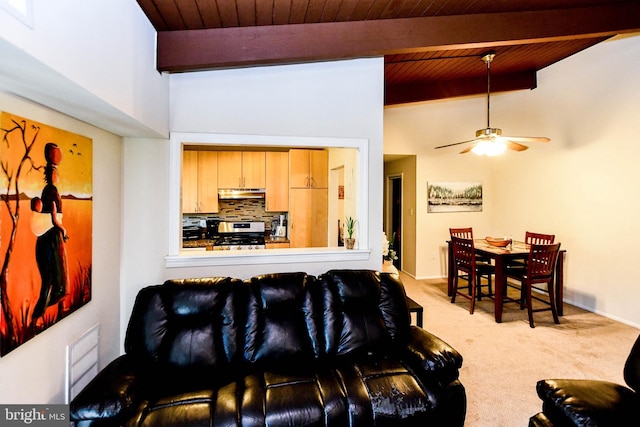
(82, 362)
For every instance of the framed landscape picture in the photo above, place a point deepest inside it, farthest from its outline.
(454, 196)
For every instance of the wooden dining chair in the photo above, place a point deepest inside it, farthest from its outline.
(464, 259)
(530, 238)
(467, 233)
(538, 271)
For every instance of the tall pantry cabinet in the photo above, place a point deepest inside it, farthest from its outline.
(277, 181)
(308, 198)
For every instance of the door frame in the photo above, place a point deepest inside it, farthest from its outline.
(388, 209)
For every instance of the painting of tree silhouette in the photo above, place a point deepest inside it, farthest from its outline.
(45, 227)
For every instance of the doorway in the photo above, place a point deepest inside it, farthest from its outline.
(395, 217)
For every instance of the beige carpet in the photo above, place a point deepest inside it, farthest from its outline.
(503, 361)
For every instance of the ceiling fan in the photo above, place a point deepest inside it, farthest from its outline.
(489, 141)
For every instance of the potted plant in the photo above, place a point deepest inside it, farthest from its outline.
(351, 228)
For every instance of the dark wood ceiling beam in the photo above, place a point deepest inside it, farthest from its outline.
(429, 91)
(278, 44)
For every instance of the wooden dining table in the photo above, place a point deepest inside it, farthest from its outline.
(501, 257)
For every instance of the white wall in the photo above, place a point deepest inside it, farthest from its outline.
(70, 63)
(93, 60)
(334, 99)
(35, 371)
(582, 186)
(416, 129)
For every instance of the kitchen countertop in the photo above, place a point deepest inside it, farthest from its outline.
(198, 243)
(202, 243)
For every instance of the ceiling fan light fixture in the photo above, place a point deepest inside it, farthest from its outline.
(489, 147)
(488, 132)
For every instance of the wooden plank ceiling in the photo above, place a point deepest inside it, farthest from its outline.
(431, 48)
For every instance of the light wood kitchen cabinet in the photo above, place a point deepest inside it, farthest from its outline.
(280, 245)
(199, 181)
(277, 182)
(308, 210)
(308, 168)
(241, 169)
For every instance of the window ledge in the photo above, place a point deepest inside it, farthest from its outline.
(191, 258)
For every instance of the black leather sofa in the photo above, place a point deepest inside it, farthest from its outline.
(593, 403)
(286, 349)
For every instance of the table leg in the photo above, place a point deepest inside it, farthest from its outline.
(450, 271)
(560, 283)
(416, 308)
(500, 286)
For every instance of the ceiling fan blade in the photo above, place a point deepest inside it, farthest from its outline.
(469, 148)
(527, 138)
(514, 145)
(456, 143)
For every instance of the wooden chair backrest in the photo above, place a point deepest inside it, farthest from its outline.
(531, 238)
(464, 233)
(542, 261)
(464, 255)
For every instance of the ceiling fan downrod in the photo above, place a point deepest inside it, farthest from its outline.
(487, 58)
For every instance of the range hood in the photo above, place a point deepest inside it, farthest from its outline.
(241, 193)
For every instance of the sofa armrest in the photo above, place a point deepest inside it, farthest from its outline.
(580, 402)
(540, 420)
(112, 394)
(429, 354)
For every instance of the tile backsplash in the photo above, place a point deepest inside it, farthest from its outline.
(239, 210)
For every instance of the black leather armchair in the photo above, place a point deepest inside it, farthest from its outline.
(286, 349)
(592, 403)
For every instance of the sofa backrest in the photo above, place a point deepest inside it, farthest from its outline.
(273, 319)
(185, 323)
(280, 327)
(364, 312)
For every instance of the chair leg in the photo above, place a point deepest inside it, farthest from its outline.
(479, 286)
(529, 304)
(454, 289)
(473, 294)
(472, 291)
(490, 286)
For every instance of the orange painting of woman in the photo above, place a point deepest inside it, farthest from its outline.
(44, 275)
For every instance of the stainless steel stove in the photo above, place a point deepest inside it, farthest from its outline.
(240, 236)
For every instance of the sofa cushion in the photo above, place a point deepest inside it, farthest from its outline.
(353, 320)
(185, 323)
(587, 402)
(314, 398)
(278, 311)
(178, 409)
(370, 392)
